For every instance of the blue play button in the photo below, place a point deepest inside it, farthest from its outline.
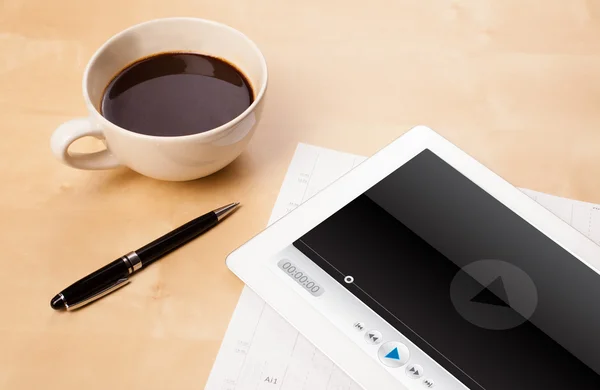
(393, 354)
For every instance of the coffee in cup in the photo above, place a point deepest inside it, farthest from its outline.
(173, 99)
(175, 94)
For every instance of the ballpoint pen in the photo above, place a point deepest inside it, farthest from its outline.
(115, 275)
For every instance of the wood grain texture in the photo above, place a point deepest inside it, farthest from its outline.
(515, 84)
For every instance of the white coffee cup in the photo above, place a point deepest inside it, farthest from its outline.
(174, 158)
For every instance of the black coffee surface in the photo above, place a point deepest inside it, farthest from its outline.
(175, 94)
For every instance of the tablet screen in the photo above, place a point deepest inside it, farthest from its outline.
(489, 297)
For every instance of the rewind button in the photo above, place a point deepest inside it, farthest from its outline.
(373, 337)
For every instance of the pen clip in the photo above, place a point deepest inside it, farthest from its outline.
(99, 294)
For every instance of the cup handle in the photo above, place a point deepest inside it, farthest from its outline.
(72, 130)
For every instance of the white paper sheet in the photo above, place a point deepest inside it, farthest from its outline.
(261, 350)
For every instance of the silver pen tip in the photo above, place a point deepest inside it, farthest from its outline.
(224, 211)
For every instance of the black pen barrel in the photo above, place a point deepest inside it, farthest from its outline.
(114, 275)
(95, 281)
(176, 238)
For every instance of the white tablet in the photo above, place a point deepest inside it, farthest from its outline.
(421, 268)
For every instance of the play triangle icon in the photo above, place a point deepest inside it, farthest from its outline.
(494, 294)
(393, 354)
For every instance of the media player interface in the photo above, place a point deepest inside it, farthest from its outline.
(490, 298)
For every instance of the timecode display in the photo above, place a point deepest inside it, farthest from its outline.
(300, 277)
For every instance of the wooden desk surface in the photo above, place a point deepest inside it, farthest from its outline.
(515, 84)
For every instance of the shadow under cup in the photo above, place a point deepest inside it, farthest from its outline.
(194, 155)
